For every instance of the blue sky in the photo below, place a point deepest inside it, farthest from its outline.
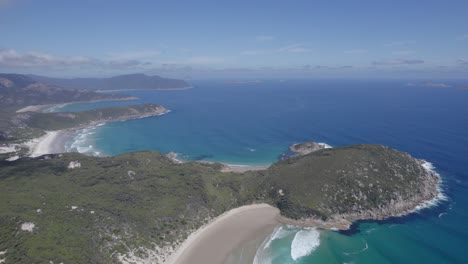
(236, 39)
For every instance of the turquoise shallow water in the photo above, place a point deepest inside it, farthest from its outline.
(255, 123)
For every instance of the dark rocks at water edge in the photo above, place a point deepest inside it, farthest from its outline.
(333, 187)
(302, 149)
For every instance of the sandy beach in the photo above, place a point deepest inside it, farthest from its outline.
(34, 108)
(243, 168)
(213, 242)
(52, 142)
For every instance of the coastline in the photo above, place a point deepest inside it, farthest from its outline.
(158, 89)
(236, 168)
(52, 142)
(242, 168)
(212, 239)
(213, 242)
(44, 108)
(432, 196)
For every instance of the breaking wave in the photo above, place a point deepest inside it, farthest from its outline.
(440, 196)
(304, 243)
(324, 145)
(81, 142)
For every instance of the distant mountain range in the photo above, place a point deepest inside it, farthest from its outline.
(121, 82)
(17, 90)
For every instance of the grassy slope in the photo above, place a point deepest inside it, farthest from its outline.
(24, 126)
(143, 198)
(343, 180)
(159, 203)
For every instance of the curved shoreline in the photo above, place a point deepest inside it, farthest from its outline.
(213, 242)
(223, 234)
(156, 89)
(46, 107)
(344, 221)
(192, 247)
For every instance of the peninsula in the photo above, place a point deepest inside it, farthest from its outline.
(144, 207)
(19, 91)
(136, 81)
(141, 206)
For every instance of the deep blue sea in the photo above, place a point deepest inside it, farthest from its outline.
(254, 123)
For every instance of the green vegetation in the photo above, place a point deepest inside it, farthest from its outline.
(363, 181)
(17, 127)
(137, 198)
(121, 82)
(17, 90)
(145, 200)
(73, 208)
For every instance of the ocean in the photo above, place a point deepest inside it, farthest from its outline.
(253, 123)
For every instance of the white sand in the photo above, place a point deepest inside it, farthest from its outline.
(213, 242)
(43, 145)
(243, 168)
(33, 108)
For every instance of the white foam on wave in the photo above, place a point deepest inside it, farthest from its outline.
(264, 253)
(429, 167)
(324, 145)
(279, 233)
(304, 243)
(54, 108)
(366, 247)
(81, 142)
(442, 214)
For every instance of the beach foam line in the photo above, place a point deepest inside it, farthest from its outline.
(80, 141)
(429, 167)
(225, 233)
(264, 252)
(324, 145)
(280, 232)
(304, 243)
(42, 145)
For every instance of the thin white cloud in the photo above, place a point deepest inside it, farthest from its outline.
(463, 37)
(462, 62)
(132, 55)
(402, 52)
(184, 50)
(14, 59)
(204, 60)
(356, 51)
(264, 38)
(298, 47)
(397, 62)
(398, 43)
(250, 52)
(429, 84)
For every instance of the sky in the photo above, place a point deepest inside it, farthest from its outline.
(236, 39)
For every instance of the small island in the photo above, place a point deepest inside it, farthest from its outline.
(307, 147)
